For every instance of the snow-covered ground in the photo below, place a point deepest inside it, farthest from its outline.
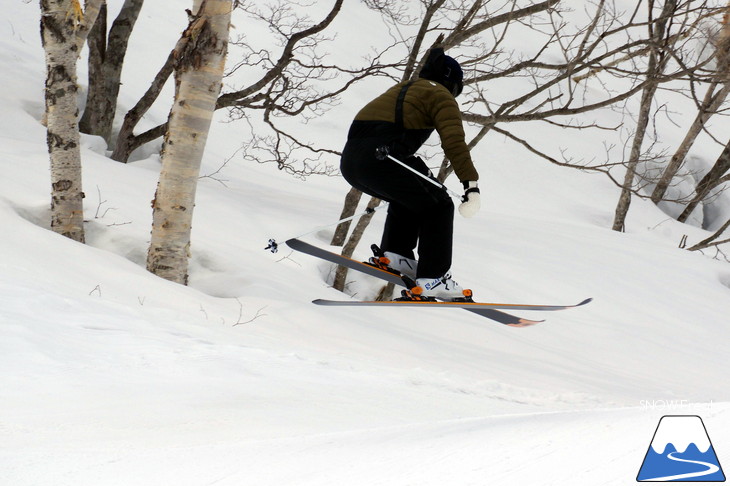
(111, 376)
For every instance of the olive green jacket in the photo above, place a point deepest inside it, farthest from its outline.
(427, 106)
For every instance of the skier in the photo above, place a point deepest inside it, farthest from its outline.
(420, 214)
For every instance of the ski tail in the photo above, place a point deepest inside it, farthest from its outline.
(315, 251)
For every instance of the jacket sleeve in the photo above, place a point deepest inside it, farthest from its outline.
(446, 117)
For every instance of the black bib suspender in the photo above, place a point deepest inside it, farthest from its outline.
(399, 108)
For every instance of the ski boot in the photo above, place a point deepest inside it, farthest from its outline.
(393, 263)
(443, 288)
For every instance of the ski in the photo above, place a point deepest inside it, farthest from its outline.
(485, 309)
(436, 303)
(315, 251)
(329, 256)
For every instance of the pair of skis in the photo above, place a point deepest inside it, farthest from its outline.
(489, 310)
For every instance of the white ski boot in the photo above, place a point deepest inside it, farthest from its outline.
(390, 262)
(442, 288)
(403, 265)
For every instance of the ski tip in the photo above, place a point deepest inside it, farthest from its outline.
(589, 299)
(523, 323)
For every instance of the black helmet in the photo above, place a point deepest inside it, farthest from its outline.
(444, 70)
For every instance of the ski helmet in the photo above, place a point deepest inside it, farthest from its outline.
(444, 70)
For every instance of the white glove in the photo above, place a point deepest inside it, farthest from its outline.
(472, 200)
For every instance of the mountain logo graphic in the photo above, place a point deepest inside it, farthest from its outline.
(681, 451)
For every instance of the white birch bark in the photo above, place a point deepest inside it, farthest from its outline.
(200, 59)
(63, 28)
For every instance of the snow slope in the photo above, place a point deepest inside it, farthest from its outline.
(110, 376)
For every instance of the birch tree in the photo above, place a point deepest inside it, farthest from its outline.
(64, 27)
(199, 63)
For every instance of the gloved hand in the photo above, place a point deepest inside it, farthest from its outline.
(471, 201)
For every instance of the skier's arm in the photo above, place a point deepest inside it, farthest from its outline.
(447, 121)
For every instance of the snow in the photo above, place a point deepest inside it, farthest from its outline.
(111, 376)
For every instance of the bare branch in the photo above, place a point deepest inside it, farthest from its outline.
(459, 36)
(710, 241)
(230, 99)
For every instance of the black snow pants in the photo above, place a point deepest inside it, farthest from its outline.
(420, 213)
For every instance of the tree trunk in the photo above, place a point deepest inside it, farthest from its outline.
(657, 61)
(351, 200)
(709, 182)
(97, 50)
(105, 69)
(348, 250)
(200, 58)
(63, 31)
(712, 102)
(127, 141)
(624, 202)
(707, 109)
